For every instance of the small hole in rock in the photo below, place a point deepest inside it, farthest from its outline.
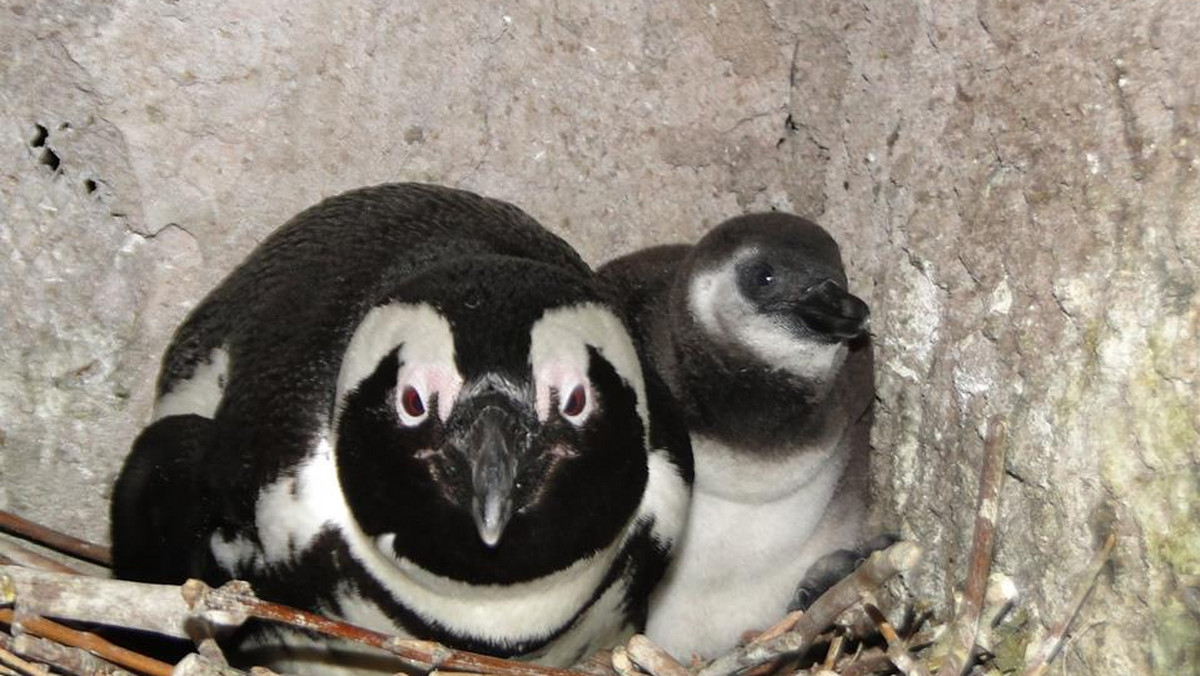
(39, 138)
(89, 185)
(64, 126)
(50, 159)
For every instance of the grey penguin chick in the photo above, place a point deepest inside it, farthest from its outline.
(756, 335)
(415, 409)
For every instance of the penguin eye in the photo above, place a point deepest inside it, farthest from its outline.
(412, 408)
(572, 408)
(764, 275)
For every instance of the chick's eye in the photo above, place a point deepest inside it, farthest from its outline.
(411, 403)
(575, 402)
(764, 275)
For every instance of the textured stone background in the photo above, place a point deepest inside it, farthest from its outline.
(1014, 184)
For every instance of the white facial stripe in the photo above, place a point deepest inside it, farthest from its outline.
(560, 340)
(724, 313)
(428, 344)
(201, 393)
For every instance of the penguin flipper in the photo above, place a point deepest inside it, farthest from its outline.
(161, 513)
(831, 568)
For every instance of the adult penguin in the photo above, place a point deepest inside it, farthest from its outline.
(412, 408)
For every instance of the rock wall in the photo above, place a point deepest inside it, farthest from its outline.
(1014, 185)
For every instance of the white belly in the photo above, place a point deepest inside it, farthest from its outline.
(755, 527)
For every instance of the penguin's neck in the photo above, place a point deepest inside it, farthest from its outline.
(730, 397)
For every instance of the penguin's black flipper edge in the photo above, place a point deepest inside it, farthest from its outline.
(832, 568)
(159, 504)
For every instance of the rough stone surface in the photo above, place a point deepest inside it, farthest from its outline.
(1014, 184)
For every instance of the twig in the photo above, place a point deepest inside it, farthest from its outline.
(11, 551)
(897, 650)
(237, 599)
(779, 628)
(878, 569)
(165, 609)
(23, 666)
(999, 599)
(596, 664)
(195, 664)
(774, 631)
(58, 633)
(868, 662)
(1054, 640)
(133, 605)
(66, 658)
(959, 641)
(61, 542)
(653, 659)
(622, 663)
(835, 650)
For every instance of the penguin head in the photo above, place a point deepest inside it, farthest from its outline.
(771, 287)
(492, 421)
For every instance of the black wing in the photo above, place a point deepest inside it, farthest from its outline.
(162, 511)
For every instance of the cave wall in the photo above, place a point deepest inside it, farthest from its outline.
(1014, 186)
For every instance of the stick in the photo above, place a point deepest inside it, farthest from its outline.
(90, 642)
(1054, 640)
(897, 651)
(835, 650)
(21, 665)
(653, 659)
(779, 628)
(61, 542)
(236, 599)
(621, 662)
(11, 551)
(868, 662)
(878, 569)
(195, 664)
(133, 605)
(66, 658)
(165, 609)
(960, 639)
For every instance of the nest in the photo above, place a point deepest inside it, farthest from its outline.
(845, 632)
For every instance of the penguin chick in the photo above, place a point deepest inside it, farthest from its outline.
(412, 408)
(756, 335)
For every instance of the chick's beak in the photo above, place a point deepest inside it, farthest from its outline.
(830, 309)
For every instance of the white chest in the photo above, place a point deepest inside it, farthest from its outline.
(755, 527)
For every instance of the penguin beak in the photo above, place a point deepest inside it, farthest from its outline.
(829, 309)
(492, 446)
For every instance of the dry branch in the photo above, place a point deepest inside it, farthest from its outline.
(878, 569)
(198, 665)
(897, 650)
(959, 641)
(653, 659)
(58, 633)
(22, 666)
(622, 663)
(60, 542)
(1054, 640)
(236, 599)
(18, 555)
(133, 605)
(65, 658)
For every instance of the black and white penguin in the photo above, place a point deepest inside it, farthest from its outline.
(757, 336)
(412, 408)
